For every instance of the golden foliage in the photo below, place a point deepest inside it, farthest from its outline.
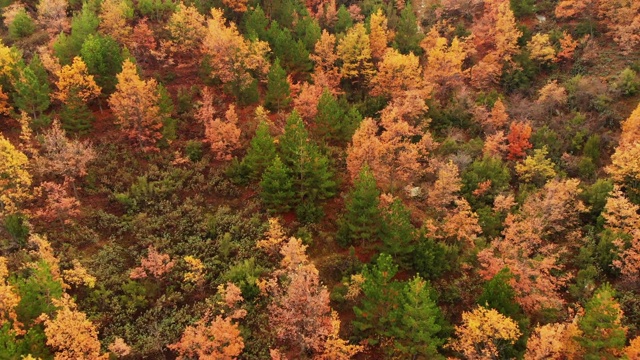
(554, 342)
(354, 49)
(72, 335)
(326, 74)
(379, 34)
(113, 19)
(15, 179)
(232, 56)
(79, 275)
(336, 348)
(236, 5)
(540, 48)
(74, 80)
(196, 270)
(444, 61)
(536, 168)
(135, 106)
(273, 237)
(397, 74)
(9, 299)
(186, 29)
(481, 329)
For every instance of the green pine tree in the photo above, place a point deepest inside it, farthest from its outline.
(262, 151)
(419, 322)
(22, 25)
(83, 24)
(407, 36)
(329, 117)
(278, 93)
(398, 233)
(276, 187)
(32, 91)
(310, 170)
(343, 21)
(603, 335)
(104, 59)
(295, 136)
(75, 115)
(362, 219)
(255, 24)
(378, 311)
(169, 122)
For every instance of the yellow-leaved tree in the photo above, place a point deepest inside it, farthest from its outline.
(444, 61)
(74, 82)
(15, 179)
(354, 49)
(9, 299)
(186, 30)
(379, 35)
(397, 73)
(541, 49)
(232, 56)
(135, 106)
(326, 74)
(481, 333)
(114, 15)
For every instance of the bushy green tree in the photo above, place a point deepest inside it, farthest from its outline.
(398, 234)
(32, 90)
(335, 120)
(278, 94)
(276, 187)
(376, 313)
(419, 322)
(343, 20)
(83, 24)
(262, 151)
(75, 115)
(603, 335)
(293, 53)
(255, 23)
(167, 109)
(407, 37)
(362, 219)
(22, 25)
(104, 60)
(431, 258)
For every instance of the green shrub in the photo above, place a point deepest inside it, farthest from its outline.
(156, 9)
(522, 8)
(627, 82)
(22, 25)
(193, 150)
(16, 226)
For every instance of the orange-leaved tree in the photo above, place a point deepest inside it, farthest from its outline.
(71, 334)
(135, 106)
(223, 135)
(519, 134)
(232, 56)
